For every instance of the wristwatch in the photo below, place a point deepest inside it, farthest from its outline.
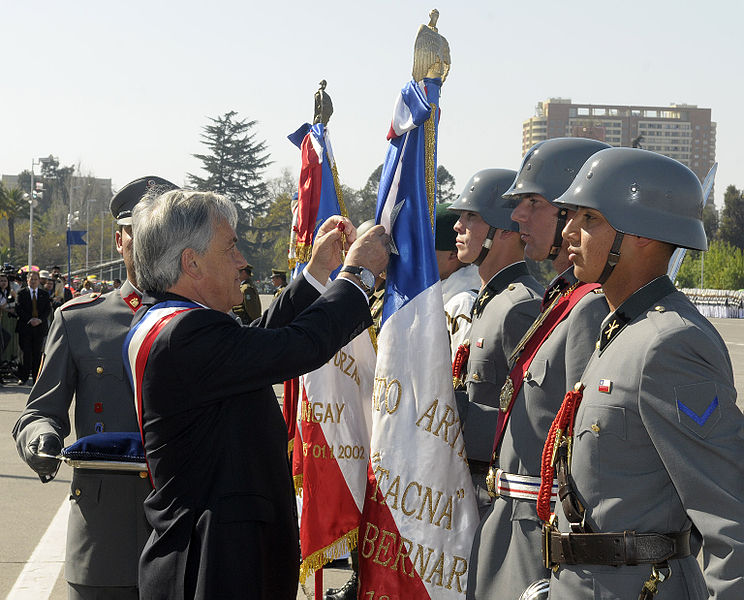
(366, 277)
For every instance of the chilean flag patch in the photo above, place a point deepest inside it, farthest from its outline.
(605, 386)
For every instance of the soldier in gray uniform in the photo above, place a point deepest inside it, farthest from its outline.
(658, 439)
(508, 302)
(83, 357)
(505, 558)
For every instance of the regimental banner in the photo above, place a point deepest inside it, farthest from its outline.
(319, 192)
(335, 422)
(420, 512)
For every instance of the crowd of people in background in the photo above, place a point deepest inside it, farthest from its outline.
(48, 284)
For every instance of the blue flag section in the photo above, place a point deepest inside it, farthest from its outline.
(402, 203)
(318, 197)
(75, 237)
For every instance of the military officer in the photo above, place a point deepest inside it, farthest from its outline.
(250, 309)
(505, 558)
(83, 358)
(278, 280)
(657, 437)
(508, 301)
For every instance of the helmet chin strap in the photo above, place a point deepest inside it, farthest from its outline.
(612, 258)
(555, 249)
(486, 248)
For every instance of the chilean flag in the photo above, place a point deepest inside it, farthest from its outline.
(420, 512)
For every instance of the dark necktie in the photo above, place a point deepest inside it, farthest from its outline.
(34, 309)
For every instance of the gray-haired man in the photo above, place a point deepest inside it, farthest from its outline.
(223, 510)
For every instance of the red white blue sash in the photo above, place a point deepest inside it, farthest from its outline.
(139, 341)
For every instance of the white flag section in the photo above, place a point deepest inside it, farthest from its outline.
(335, 420)
(421, 513)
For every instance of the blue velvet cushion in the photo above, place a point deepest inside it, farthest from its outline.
(115, 446)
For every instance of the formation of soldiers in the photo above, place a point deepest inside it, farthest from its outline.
(599, 414)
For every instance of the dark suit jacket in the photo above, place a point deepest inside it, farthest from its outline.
(223, 509)
(23, 310)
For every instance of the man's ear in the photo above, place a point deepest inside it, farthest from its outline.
(190, 264)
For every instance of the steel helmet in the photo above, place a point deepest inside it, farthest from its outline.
(549, 167)
(642, 193)
(537, 590)
(482, 195)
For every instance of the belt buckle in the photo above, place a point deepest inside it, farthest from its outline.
(548, 528)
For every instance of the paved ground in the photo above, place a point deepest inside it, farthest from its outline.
(27, 508)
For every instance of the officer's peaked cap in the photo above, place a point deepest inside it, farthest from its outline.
(127, 197)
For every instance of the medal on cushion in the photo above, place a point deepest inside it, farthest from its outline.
(507, 391)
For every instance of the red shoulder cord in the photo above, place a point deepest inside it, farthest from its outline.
(461, 359)
(563, 426)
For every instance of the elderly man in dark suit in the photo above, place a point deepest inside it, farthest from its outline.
(32, 307)
(223, 510)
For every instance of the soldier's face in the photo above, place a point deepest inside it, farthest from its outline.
(537, 219)
(471, 232)
(590, 239)
(124, 247)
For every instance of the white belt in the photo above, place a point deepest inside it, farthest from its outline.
(523, 487)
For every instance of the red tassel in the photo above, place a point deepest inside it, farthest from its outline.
(563, 424)
(458, 365)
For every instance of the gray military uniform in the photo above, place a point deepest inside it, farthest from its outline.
(506, 555)
(505, 308)
(658, 447)
(83, 357)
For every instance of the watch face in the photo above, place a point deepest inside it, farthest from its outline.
(367, 278)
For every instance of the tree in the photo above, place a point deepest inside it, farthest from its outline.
(12, 205)
(370, 189)
(234, 168)
(360, 207)
(710, 221)
(722, 269)
(446, 185)
(731, 229)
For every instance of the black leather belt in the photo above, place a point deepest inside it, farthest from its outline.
(626, 548)
(478, 466)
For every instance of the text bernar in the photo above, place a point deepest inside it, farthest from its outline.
(387, 550)
(320, 412)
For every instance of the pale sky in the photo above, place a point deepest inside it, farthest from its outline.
(124, 88)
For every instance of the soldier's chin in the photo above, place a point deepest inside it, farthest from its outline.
(534, 253)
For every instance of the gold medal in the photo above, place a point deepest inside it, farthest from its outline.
(491, 482)
(507, 391)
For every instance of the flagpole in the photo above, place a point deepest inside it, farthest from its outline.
(319, 583)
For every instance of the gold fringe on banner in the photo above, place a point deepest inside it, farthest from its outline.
(297, 479)
(292, 262)
(373, 337)
(339, 191)
(303, 252)
(346, 543)
(430, 173)
(290, 446)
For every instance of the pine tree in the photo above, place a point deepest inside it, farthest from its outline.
(234, 167)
